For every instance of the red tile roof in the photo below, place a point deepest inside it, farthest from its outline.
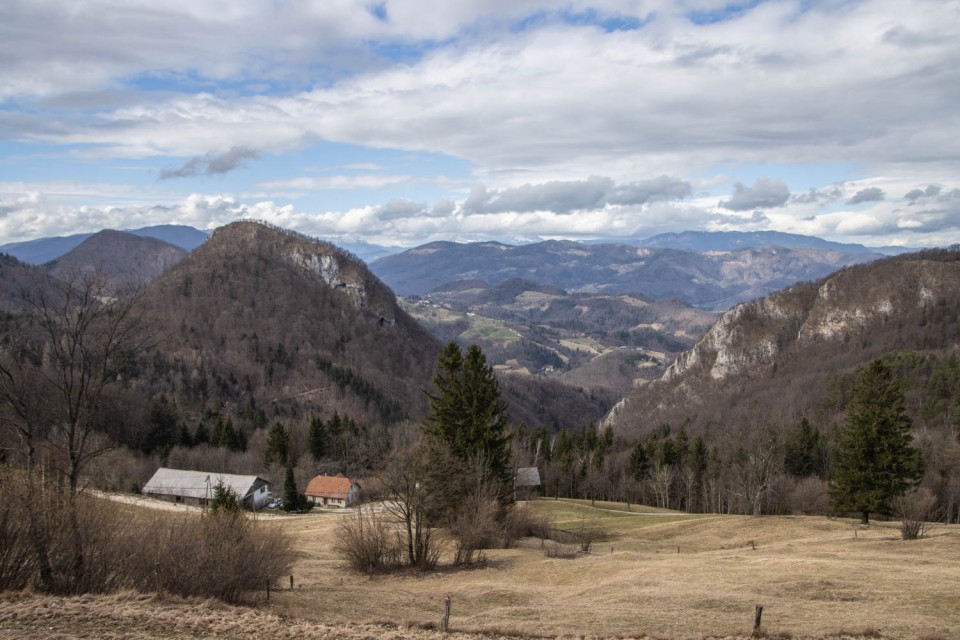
(329, 487)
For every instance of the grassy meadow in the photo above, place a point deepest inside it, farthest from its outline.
(666, 575)
(653, 575)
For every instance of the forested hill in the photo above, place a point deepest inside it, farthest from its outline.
(259, 316)
(122, 258)
(785, 356)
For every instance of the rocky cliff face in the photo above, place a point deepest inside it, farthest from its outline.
(849, 317)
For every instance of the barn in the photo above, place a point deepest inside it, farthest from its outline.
(196, 487)
(332, 491)
(526, 483)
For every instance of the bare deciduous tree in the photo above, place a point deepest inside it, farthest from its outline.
(68, 348)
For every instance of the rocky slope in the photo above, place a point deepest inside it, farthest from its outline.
(773, 354)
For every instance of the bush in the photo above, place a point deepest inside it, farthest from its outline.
(520, 523)
(369, 542)
(474, 526)
(82, 544)
(809, 497)
(222, 555)
(916, 509)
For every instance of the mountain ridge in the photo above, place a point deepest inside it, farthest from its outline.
(713, 281)
(775, 353)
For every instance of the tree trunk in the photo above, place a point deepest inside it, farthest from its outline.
(865, 517)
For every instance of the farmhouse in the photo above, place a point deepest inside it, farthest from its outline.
(332, 491)
(196, 487)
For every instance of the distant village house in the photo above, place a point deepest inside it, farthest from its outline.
(196, 487)
(332, 491)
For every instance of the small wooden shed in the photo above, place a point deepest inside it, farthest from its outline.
(526, 483)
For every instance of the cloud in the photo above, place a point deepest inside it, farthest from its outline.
(830, 193)
(918, 194)
(324, 183)
(870, 194)
(565, 197)
(212, 164)
(550, 96)
(764, 194)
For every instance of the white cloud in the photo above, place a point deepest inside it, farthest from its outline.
(764, 194)
(532, 101)
(757, 88)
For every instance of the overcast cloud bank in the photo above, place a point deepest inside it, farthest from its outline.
(581, 120)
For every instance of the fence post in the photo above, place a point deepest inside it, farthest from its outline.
(756, 620)
(445, 619)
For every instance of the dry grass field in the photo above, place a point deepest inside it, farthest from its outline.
(654, 575)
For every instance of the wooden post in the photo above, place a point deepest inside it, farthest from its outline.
(756, 621)
(445, 619)
(291, 582)
(268, 591)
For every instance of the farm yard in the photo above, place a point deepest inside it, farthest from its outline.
(654, 574)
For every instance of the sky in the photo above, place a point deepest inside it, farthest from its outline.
(401, 122)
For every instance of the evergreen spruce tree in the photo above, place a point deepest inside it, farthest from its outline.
(278, 445)
(466, 412)
(317, 440)
(202, 434)
(291, 497)
(224, 499)
(873, 461)
(803, 451)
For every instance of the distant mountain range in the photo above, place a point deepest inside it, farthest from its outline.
(702, 241)
(43, 250)
(710, 270)
(715, 280)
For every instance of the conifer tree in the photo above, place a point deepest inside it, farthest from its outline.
(278, 445)
(873, 460)
(466, 411)
(317, 440)
(291, 497)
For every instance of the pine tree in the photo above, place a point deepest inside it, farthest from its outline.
(873, 460)
(466, 411)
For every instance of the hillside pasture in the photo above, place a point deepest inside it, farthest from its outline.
(663, 574)
(654, 574)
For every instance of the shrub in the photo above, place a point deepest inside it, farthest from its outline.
(369, 542)
(916, 509)
(83, 544)
(809, 497)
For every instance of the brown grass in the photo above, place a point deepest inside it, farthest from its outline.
(814, 576)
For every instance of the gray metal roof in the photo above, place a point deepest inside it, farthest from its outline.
(198, 484)
(527, 477)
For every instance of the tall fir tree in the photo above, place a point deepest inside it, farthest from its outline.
(291, 497)
(466, 412)
(873, 461)
(317, 439)
(278, 445)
